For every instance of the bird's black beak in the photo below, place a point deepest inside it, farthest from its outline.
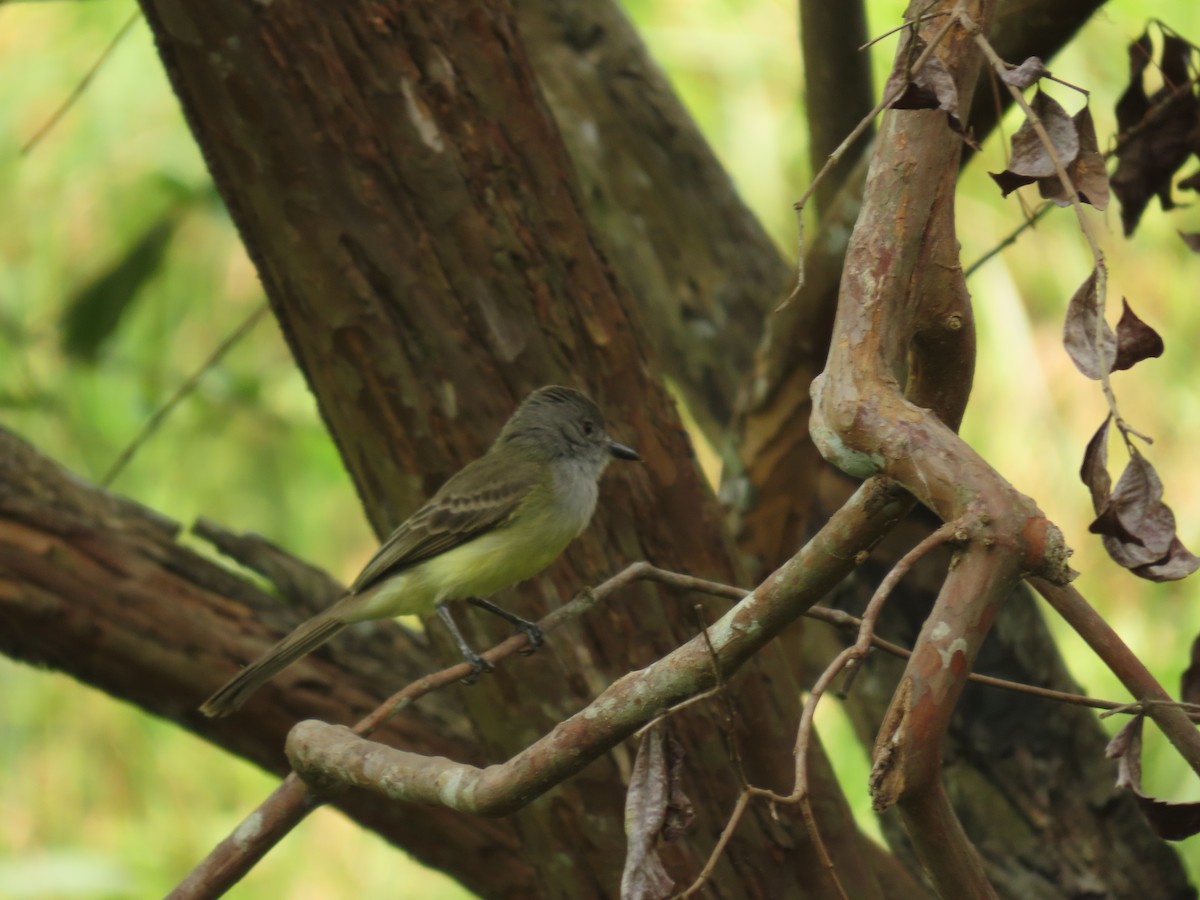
(620, 451)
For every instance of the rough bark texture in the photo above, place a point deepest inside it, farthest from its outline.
(417, 225)
(97, 586)
(700, 268)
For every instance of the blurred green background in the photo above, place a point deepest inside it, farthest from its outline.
(94, 792)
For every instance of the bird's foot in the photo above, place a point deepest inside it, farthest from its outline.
(479, 666)
(532, 632)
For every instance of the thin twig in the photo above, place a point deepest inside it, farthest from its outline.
(1123, 139)
(809, 817)
(842, 619)
(836, 156)
(856, 651)
(1060, 170)
(1067, 84)
(1026, 223)
(188, 385)
(1175, 723)
(678, 707)
(1143, 707)
(72, 97)
(735, 753)
(919, 20)
(644, 571)
(739, 810)
(800, 793)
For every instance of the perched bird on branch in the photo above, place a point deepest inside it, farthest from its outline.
(500, 520)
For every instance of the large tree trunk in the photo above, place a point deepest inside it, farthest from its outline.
(418, 227)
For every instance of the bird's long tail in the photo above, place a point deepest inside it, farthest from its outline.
(306, 638)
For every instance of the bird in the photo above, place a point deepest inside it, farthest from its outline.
(498, 521)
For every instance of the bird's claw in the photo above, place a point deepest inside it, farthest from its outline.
(534, 635)
(479, 666)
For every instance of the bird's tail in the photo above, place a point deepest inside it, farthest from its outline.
(306, 638)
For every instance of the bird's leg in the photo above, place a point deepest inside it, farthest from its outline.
(530, 629)
(478, 664)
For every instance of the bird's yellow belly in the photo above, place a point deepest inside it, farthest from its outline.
(490, 563)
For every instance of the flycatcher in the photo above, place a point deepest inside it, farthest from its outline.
(502, 519)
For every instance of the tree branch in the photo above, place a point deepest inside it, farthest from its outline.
(837, 84)
(332, 754)
(901, 270)
(1174, 721)
(97, 586)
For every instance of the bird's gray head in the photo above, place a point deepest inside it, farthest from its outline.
(559, 422)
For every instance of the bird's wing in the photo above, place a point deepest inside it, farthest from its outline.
(453, 516)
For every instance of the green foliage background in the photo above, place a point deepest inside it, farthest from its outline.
(103, 801)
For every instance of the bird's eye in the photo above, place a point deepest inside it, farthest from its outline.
(589, 427)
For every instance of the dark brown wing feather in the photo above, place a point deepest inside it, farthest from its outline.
(454, 515)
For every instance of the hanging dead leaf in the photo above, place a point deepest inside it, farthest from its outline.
(1170, 821)
(1094, 471)
(1026, 74)
(1142, 519)
(1073, 142)
(1158, 132)
(1138, 529)
(1087, 173)
(1179, 563)
(1090, 174)
(1029, 154)
(1189, 687)
(1135, 340)
(1089, 341)
(930, 87)
(646, 809)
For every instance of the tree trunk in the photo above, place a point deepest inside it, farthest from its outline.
(418, 227)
